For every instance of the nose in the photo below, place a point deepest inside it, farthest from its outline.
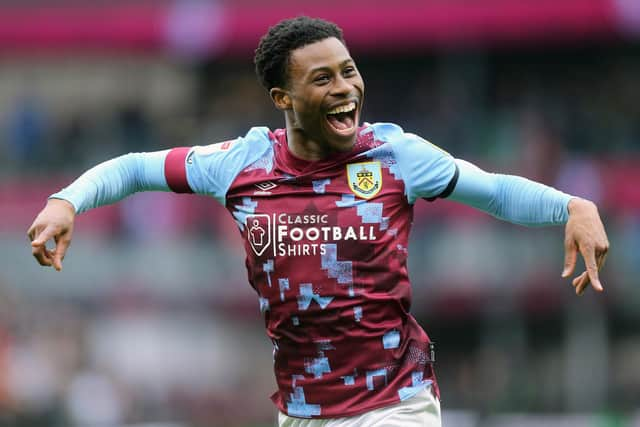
(342, 86)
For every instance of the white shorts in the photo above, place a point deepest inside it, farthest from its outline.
(422, 410)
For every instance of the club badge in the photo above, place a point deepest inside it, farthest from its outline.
(365, 179)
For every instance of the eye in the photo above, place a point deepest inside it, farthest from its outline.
(321, 79)
(349, 71)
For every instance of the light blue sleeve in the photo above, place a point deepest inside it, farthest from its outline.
(208, 170)
(426, 169)
(511, 198)
(211, 169)
(116, 179)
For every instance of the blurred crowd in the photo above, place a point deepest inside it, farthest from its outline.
(152, 319)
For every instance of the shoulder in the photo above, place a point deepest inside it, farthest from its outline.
(391, 133)
(256, 140)
(382, 132)
(212, 168)
(258, 134)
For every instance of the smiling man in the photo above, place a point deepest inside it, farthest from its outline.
(321, 99)
(324, 207)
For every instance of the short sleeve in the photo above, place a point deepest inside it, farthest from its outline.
(211, 169)
(427, 171)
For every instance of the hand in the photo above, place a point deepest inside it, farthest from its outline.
(585, 233)
(55, 222)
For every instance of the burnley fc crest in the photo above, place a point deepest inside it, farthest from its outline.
(365, 179)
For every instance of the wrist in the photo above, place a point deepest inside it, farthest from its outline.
(577, 204)
(62, 204)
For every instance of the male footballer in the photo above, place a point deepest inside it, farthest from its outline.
(324, 207)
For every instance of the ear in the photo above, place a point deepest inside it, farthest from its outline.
(281, 98)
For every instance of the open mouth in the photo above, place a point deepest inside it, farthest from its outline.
(343, 118)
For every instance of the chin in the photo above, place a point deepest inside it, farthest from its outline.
(341, 142)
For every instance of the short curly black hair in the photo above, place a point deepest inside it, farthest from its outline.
(273, 52)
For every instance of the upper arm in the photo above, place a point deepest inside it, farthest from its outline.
(427, 171)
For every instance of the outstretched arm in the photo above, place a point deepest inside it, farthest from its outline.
(106, 183)
(430, 173)
(525, 202)
(207, 170)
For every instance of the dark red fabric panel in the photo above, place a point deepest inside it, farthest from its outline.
(175, 171)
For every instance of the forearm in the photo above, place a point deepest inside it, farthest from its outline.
(511, 198)
(116, 179)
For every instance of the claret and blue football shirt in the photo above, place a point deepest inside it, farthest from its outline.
(326, 246)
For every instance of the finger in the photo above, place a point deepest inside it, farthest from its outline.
(58, 255)
(45, 235)
(592, 270)
(602, 258)
(589, 255)
(579, 279)
(42, 255)
(581, 283)
(570, 257)
(31, 232)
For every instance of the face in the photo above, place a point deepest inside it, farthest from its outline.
(325, 91)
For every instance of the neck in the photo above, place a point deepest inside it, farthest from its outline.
(301, 146)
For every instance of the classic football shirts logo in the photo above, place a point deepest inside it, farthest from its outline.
(299, 234)
(365, 178)
(259, 232)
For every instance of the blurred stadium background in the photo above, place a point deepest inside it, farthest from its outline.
(152, 321)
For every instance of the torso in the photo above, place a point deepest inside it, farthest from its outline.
(326, 246)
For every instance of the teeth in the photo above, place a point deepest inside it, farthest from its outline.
(343, 108)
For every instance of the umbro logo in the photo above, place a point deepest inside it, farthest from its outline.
(266, 186)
